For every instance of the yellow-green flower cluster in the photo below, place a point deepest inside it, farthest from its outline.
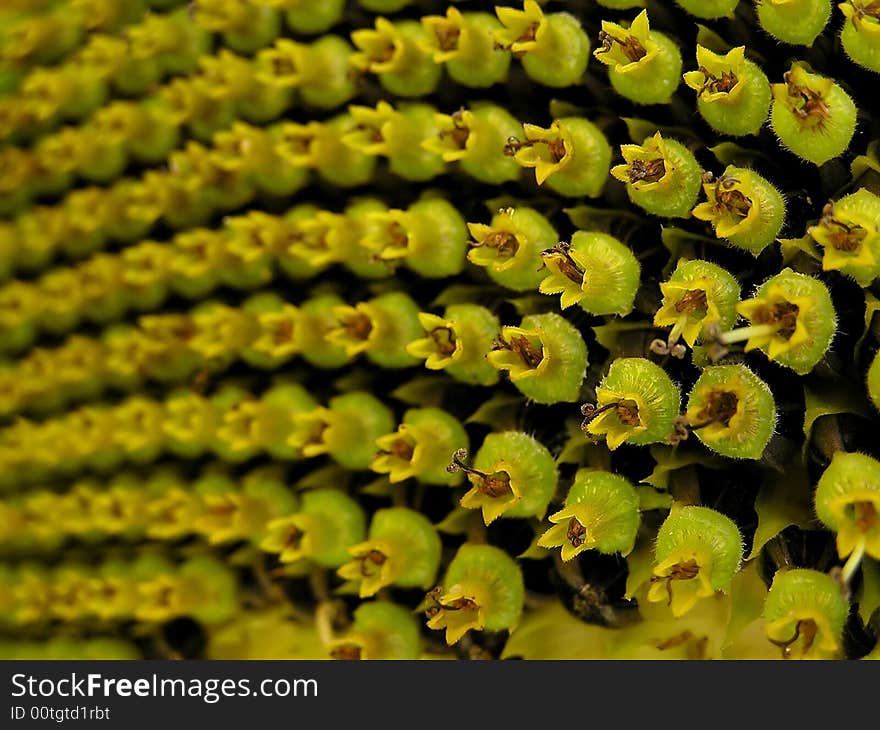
(273, 269)
(107, 62)
(247, 252)
(232, 423)
(245, 160)
(162, 506)
(205, 106)
(149, 589)
(266, 332)
(476, 49)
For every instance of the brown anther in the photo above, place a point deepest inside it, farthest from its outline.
(460, 604)
(730, 200)
(435, 604)
(221, 178)
(283, 332)
(715, 84)
(503, 242)
(384, 54)
(694, 300)
(447, 36)
(167, 514)
(117, 125)
(680, 571)
(529, 34)
(316, 240)
(576, 532)
(626, 411)
(646, 171)
(183, 329)
(492, 485)
(865, 515)
(814, 106)
(358, 326)
(258, 240)
(283, 66)
(721, 406)
(397, 234)
(116, 509)
(374, 134)
(783, 314)
(726, 83)
(567, 265)
(163, 598)
(557, 149)
(811, 102)
(631, 46)
(871, 10)
(108, 592)
(606, 40)
(530, 355)
(806, 628)
(402, 449)
(300, 144)
(294, 538)
(444, 340)
(373, 559)
(843, 237)
(223, 509)
(316, 436)
(459, 132)
(684, 571)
